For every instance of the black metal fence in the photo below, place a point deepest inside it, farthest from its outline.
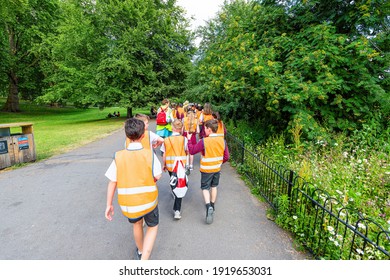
(320, 222)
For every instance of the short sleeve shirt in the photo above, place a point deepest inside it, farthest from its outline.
(111, 171)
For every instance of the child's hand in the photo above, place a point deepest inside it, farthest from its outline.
(109, 212)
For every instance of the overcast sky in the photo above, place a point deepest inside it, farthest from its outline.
(202, 10)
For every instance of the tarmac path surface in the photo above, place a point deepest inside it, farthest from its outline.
(54, 210)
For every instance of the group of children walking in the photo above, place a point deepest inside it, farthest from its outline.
(135, 170)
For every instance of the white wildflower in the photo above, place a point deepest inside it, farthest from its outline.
(295, 217)
(359, 251)
(339, 237)
(336, 144)
(359, 161)
(339, 192)
(388, 222)
(362, 226)
(336, 243)
(331, 229)
(345, 154)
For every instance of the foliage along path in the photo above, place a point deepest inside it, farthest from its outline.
(54, 209)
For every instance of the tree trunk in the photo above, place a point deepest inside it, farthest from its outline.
(12, 104)
(129, 112)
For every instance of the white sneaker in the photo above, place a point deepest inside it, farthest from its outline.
(191, 167)
(177, 215)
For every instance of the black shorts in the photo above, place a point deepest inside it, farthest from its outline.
(151, 219)
(209, 180)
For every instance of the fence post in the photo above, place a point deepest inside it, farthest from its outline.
(243, 152)
(290, 183)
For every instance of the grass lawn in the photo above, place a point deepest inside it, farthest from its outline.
(57, 130)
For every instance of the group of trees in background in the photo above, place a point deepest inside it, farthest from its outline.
(93, 52)
(313, 64)
(319, 65)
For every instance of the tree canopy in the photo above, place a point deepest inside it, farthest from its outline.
(297, 63)
(106, 52)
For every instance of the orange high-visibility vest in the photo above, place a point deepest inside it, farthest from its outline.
(207, 117)
(212, 159)
(187, 125)
(174, 113)
(137, 190)
(181, 111)
(220, 131)
(198, 113)
(174, 149)
(145, 141)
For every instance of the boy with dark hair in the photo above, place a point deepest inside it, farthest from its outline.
(133, 173)
(214, 152)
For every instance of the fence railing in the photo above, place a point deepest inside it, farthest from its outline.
(320, 222)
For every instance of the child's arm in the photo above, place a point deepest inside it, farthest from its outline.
(110, 195)
(164, 163)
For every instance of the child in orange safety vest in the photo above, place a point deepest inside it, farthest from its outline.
(214, 152)
(175, 147)
(133, 174)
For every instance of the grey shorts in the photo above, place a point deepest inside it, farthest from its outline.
(209, 180)
(151, 219)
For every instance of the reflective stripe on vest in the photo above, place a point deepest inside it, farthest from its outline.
(137, 191)
(212, 160)
(174, 148)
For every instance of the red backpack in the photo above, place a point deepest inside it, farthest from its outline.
(161, 118)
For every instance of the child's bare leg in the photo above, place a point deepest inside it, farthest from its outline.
(206, 196)
(213, 194)
(150, 237)
(138, 231)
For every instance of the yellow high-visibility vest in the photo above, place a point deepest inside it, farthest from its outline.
(137, 190)
(174, 149)
(214, 146)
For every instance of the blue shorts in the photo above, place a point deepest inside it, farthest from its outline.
(151, 219)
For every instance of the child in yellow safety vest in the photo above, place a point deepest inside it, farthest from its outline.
(175, 147)
(214, 151)
(133, 173)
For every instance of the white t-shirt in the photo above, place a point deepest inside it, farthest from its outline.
(111, 171)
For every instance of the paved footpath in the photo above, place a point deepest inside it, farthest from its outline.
(54, 209)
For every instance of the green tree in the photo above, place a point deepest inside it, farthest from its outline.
(23, 25)
(125, 52)
(265, 63)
